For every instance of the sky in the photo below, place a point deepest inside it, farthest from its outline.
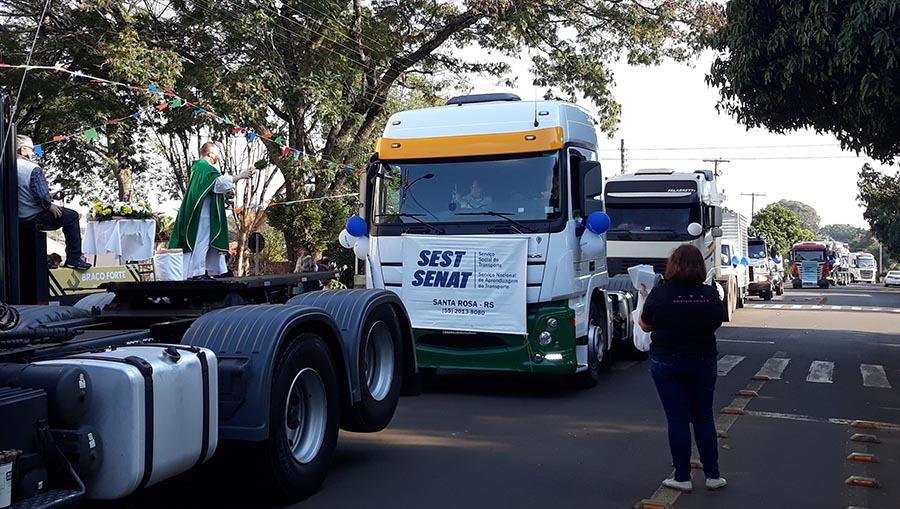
(670, 106)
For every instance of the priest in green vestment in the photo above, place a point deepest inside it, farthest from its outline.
(201, 228)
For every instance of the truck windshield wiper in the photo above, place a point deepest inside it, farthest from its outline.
(503, 215)
(415, 217)
(626, 234)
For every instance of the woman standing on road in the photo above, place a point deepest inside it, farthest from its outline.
(682, 317)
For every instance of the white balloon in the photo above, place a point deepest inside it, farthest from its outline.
(346, 239)
(361, 248)
(592, 245)
(695, 229)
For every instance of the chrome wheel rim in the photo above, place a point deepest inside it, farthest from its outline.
(379, 360)
(595, 341)
(305, 415)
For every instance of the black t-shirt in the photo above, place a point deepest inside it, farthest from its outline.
(684, 318)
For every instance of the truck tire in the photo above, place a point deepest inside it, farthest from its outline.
(797, 284)
(599, 358)
(779, 290)
(304, 420)
(380, 373)
(766, 295)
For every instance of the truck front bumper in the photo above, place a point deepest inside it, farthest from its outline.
(505, 352)
(758, 288)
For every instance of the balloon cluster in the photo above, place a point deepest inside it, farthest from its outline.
(592, 243)
(355, 236)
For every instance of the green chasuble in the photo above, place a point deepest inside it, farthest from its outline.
(184, 233)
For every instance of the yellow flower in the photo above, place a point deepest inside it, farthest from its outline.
(106, 212)
(97, 206)
(126, 210)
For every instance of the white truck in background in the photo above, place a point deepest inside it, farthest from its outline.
(863, 267)
(735, 255)
(766, 275)
(654, 211)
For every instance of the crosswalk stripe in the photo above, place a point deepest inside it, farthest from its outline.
(728, 362)
(876, 309)
(817, 307)
(757, 306)
(797, 307)
(856, 309)
(874, 376)
(820, 372)
(772, 369)
(896, 310)
(836, 308)
(777, 306)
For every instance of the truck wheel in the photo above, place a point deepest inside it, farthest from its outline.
(380, 373)
(779, 290)
(797, 284)
(599, 358)
(767, 295)
(303, 421)
(740, 301)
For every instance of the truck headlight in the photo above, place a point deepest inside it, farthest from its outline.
(545, 338)
(763, 279)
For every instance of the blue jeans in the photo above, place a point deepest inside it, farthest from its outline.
(686, 385)
(68, 221)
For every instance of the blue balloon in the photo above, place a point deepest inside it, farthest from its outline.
(745, 261)
(776, 260)
(598, 222)
(735, 260)
(831, 263)
(357, 227)
(789, 262)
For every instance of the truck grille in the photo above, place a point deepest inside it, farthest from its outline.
(620, 265)
(866, 274)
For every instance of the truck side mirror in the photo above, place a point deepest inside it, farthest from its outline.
(717, 218)
(589, 188)
(716, 232)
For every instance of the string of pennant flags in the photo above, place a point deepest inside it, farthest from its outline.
(238, 210)
(173, 101)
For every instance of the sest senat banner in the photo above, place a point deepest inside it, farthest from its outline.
(465, 283)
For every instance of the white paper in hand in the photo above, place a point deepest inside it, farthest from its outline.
(641, 275)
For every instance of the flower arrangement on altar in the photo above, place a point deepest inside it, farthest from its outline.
(107, 210)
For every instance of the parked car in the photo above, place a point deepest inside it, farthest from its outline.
(892, 278)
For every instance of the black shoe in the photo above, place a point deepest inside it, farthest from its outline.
(202, 277)
(77, 264)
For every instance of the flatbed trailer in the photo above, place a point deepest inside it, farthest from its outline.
(146, 380)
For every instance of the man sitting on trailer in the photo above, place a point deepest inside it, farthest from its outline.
(36, 204)
(201, 228)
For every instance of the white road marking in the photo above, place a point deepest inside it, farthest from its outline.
(876, 309)
(780, 354)
(856, 309)
(798, 306)
(836, 308)
(820, 372)
(817, 307)
(773, 368)
(728, 362)
(750, 341)
(757, 306)
(777, 306)
(874, 376)
(795, 417)
(896, 310)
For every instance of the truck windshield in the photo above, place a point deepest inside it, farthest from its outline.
(866, 262)
(757, 250)
(667, 222)
(523, 187)
(809, 256)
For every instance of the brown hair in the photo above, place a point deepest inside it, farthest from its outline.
(686, 266)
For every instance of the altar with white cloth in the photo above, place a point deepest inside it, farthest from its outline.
(128, 239)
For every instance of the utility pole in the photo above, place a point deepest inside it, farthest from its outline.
(716, 164)
(622, 155)
(752, 202)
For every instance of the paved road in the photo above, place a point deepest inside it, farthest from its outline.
(503, 440)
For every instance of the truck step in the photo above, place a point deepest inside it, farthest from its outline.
(49, 499)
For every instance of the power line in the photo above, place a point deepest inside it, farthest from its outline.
(15, 106)
(744, 147)
(759, 158)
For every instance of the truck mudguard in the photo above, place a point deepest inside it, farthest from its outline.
(246, 340)
(350, 308)
(35, 316)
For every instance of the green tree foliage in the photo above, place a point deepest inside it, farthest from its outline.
(780, 227)
(819, 64)
(806, 214)
(101, 38)
(880, 195)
